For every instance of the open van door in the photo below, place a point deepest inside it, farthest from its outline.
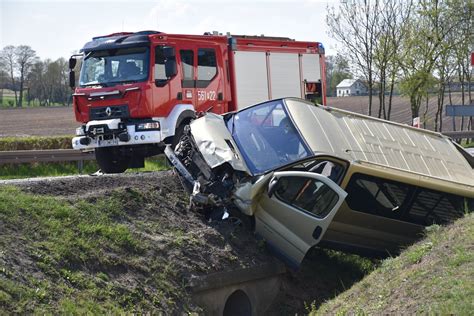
(295, 212)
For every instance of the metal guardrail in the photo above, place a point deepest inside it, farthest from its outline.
(53, 155)
(459, 134)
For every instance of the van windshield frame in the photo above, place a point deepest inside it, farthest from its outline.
(266, 137)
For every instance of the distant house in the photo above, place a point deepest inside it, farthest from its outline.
(351, 87)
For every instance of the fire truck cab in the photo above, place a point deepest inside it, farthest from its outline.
(137, 91)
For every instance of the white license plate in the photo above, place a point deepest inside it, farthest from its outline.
(108, 142)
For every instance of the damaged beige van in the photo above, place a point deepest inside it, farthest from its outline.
(310, 175)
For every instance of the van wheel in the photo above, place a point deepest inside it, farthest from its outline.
(111, 160)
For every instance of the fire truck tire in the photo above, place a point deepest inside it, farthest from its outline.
(177, 134)
(110, 160)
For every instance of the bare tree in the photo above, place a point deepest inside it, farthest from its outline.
(25, 58)
(445, 68)
(393, 15)
(8, 59)
(427, 30)
(464, 44)
(48, 82)
(354, 23)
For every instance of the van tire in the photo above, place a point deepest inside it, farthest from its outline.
(111, 160)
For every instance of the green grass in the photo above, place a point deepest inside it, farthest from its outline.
(35, 143)
(434, 276)
(31, 170)
(8, 101)
(70, 253)
(63, 236)
(28, 170)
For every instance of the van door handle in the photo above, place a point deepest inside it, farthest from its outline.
(317, 232)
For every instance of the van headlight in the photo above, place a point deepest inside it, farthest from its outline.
(148, 126)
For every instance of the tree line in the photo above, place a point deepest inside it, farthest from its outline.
(43, 82)
(419, 47)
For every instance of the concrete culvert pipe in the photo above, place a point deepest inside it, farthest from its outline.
(238, 304)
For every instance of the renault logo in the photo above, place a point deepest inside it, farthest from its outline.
(108, 111)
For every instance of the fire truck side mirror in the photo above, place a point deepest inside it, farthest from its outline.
(170, 68)
(72, 74)
(72, 79)
(72, 63)
(169, 52)
(170, 63)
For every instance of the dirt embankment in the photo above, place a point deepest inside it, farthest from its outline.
(128, 243)
(136, 255)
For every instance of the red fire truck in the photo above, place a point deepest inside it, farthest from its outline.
(136, 91)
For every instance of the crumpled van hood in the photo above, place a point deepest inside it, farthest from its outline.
(216, 143)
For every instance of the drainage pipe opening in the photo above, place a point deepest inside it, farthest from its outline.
(238, 304)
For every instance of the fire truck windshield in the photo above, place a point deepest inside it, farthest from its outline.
(114, 66)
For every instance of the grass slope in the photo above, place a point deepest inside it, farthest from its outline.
(436, 275)
(113, 247)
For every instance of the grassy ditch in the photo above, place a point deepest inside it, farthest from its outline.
(59, 238)
(434, 276)
(323, 275)
(91, 256)
(127, 244)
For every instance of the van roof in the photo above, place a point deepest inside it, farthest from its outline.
(357, 137)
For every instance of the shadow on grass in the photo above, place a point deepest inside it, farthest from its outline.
(323, 275)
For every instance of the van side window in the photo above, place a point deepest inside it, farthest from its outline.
(432, 207)
(376, 196)
(187, 61)
(403, 202)
(207, 66)
(307, 194)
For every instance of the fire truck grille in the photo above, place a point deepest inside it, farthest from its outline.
(109, 112)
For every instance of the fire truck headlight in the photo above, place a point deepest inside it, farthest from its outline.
(80, 131)
(148, 126)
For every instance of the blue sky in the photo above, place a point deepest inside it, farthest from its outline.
(57, 28)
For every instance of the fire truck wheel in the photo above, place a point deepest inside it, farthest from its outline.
(177, 135)
(110, 160)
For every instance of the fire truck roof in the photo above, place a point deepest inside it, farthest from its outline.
(118, 40)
